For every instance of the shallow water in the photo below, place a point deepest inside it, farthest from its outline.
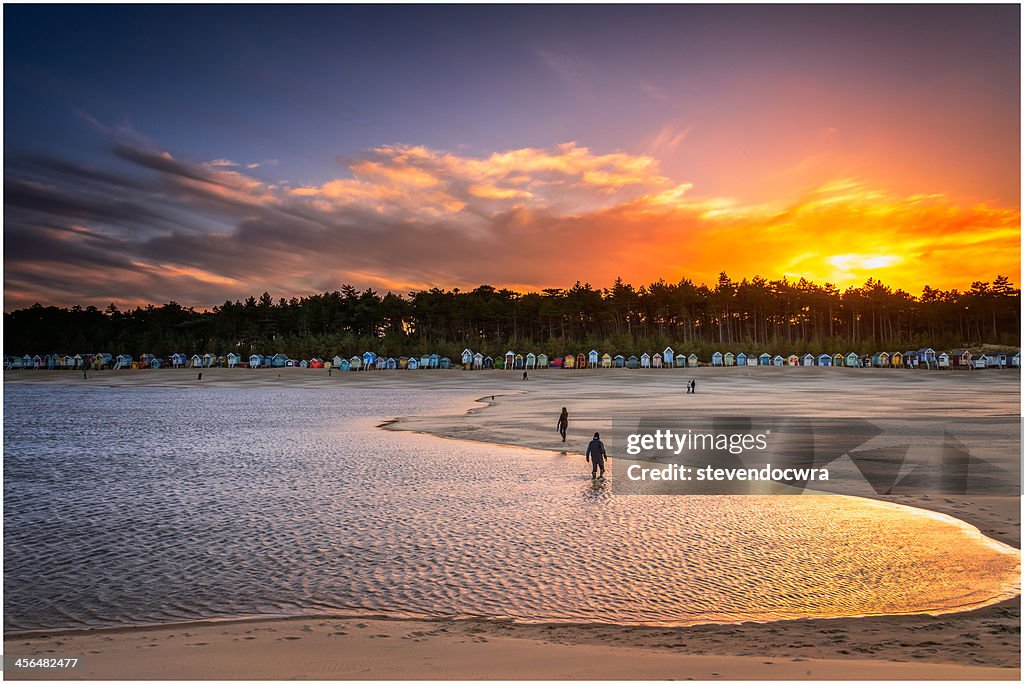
(149, 505)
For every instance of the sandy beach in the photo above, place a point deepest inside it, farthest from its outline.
(980, 644)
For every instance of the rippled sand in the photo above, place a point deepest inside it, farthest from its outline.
(155, 505)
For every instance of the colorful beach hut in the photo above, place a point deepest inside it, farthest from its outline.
(343, 364)
(852, 360)
(606, 360)
(838, 360)
(1015, 360)
(445, 363)
(403, 362)
(982, 361)
(730, 359)
(255, 361)
(434, 361)
(656, 360)
(808, 360)
(927, 357)
(542, 361)
(569, 361)
(716, 359)
(633, 362)
(764, 359)
(510, 360)
(488, 362)
(478, 361)
(668, 357)
(581, 360)
(593, 358)
(880, 360)
(531, 361)
(355, 363)
(680, 361)
(741, 359)
(467, 359)
(777, 360)
(369, 360)
(692, 361)
(336, 361)
(896, 360)
(619, 361)
(413, 364)
(645, 360)
(197, 361)
(234, 359)
(824, 360)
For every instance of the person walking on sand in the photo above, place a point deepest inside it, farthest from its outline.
(525, 377)
(563, 422)
(596, 456)
(693, 386)
(689, 386)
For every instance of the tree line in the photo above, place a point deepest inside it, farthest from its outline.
(755, 315)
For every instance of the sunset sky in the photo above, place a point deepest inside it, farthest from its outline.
(202, 154)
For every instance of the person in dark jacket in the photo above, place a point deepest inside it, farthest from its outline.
(563, 422)
(596, 455)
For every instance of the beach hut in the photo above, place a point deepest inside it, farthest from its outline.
(531, 361)
(122, 361)
(896, 360)
(234, 359)
(315, 362)
(741, 359)
(467, 359)
(277, 360)
(434, 361)
(336, 361)
(668, 357)
(445, 362)
(807, 360)
(424, 361)
(852, 360)
(1015, 361)
(555, 362)
(692, 361)
(730, 359)
(101, 360)
(645, 360)
(510, 360)
(619, 361)
(355, 363)
(403, 362)
(606, 360)
(520, 362)
(478, 361)
(542, 361)
(910, 359)
(343, 365)
(304, 364)
(26, 361)
(680, 361)
(716, 359)
(156, 363)
(752, 360)
(255, 361)
(593, 359)
(209, 360)
(824, 360)
(838, 360)
(880, 360)
(765, 359)
(581, 360)
(981, 361)
(196, 361)
(926, 357)
(632, 362)
(488, 362)
(777, 360)
(77, 360)
(1001, 360)
(413, 364)
(792, 360)
(146, 360)
(569, 361)
(369, 360)
(178, 360)
(942, 360)
(656, 360)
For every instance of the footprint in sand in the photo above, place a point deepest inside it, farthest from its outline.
(289, 638)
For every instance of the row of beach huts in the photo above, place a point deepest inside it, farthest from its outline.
(921, 358)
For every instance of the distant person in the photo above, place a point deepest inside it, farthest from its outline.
(85, 375)
(689, 386)
(596, 455)
(525, 377)
(200, 377)
(329, 371)
(563, 422)
(693, 386)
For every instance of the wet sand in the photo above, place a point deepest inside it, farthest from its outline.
(981, 644)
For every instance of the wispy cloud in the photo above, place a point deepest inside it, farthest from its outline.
(411, 216)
